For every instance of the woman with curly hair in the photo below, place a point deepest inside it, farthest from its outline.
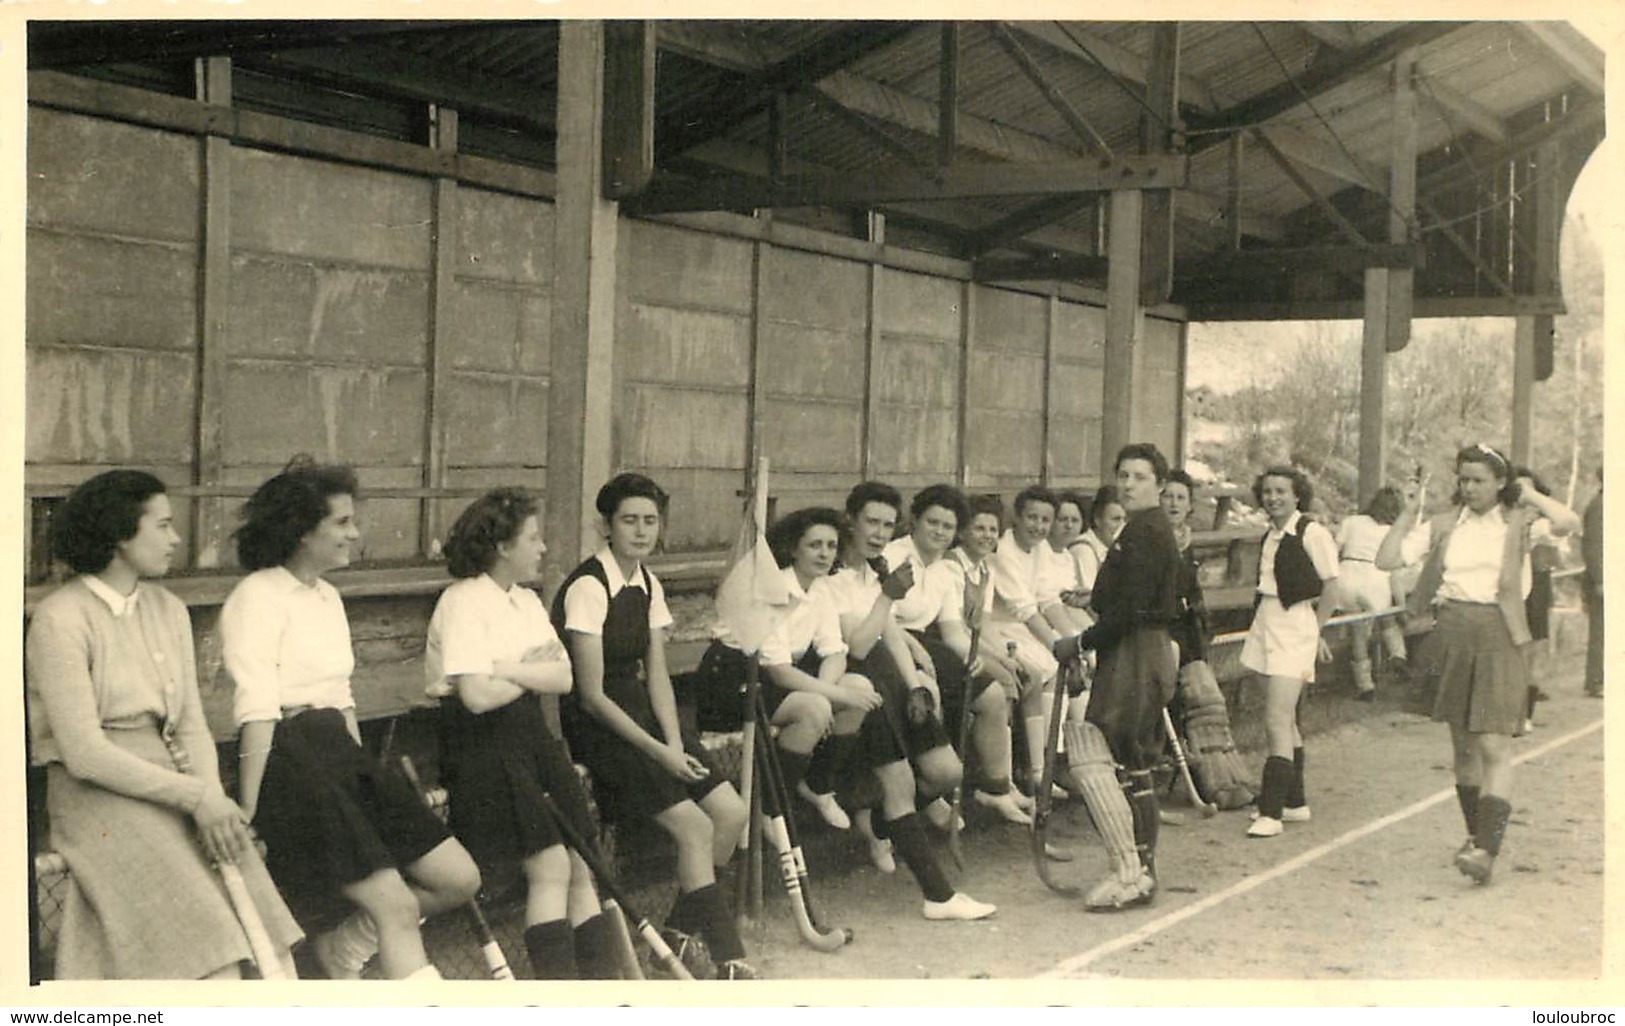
(1366, 588)
(112, 686)
(1476, 578)
(492, 660)
(336, 823)
(1296, 566)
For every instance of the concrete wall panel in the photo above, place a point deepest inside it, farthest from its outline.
(359, 416)
(910, 440)
(1160, 390)
(288, 310)
(819, 291)
(492, 420)
(325, 211)
(508, 238)
(84, 289)
(109, 406)
(673, 427)
(705, 506)
(917, 372)
(1074, 451)
(678, 267)
(685, 346)
(499, 328)
(111, 177)
(1080, 334)
(1012, 321)
(804, 361)
(1000, 381)
(820, 437)
(1079, 390)
(919, 304)
(1005, 443)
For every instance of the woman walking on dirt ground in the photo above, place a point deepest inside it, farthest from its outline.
(1476, 577)
(1296, 567)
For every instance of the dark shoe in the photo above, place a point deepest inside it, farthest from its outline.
(1476, 863)
(1367, 695)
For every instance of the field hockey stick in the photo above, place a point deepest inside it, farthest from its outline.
(496, 963)
(956, 816)
(792, 864)
(267, 956)
(606, 882)
(1208, 808)
(1043, 799)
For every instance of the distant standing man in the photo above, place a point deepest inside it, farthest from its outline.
(1591, 549)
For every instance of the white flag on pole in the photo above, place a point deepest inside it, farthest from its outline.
(752, 595)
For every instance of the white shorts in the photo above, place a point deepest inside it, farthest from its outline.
(1282, 642)
(1363, 588)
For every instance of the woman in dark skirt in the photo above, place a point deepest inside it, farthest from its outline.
(111, 676)
(933, 613)
(1115, 741)
(492, 656)
(621, 718)
(817, 705)
(336, 823)
(1475, 578)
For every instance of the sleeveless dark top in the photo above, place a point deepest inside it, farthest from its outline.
(626, 642)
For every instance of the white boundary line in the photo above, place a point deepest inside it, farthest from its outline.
(1078, 962)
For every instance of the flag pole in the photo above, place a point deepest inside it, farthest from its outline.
(748, 882)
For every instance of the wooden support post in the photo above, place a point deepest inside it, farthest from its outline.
(1157, 137)
(871, 349)
(1124, 323)
(1374, 383)
(758, 366)
(580, 399)
(1523, 384)
(1402, 198)
(1548, 228)
(778, 147)
(948, 95)
(214, 302)
(967, 340)
(1046, 466)
(1177, 457)
(629, 107)
(1232, 198)
(442, 289)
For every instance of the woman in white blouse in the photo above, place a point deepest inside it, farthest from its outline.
(1475, 578)
(335, 822)
(492, 660)
(1365, 587)
(1297, 566)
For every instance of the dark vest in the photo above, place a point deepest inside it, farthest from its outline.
(1296, 579)
(625, 643)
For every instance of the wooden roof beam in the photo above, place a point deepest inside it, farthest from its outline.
(1336, 34)
(1307, 187)
(1120, 61)
(961, 181)
(1325, 76)
(1581, 117)
(1462, 111)
(750, 94)
(1579, 59)
(73, 44)
(1035, 74)
(1045, 268)
(1276, 262)
(1353, 309)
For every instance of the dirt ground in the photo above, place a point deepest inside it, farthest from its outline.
(1385, 903)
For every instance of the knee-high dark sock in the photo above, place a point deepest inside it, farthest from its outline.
(597, 945)
(707, 911)
(909, 839)
(1142, 802)
(1493, 813)
(794, 766)
(1294, 791)
(1278, 773)
(1467, 797)
(552, 949)
(828, 759)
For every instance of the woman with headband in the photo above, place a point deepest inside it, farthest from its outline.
(1476, 577)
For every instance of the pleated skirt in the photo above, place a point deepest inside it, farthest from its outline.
(1483, 678)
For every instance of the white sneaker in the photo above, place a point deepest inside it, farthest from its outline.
(1265, 826)
(343, 951)
(941, 814)
(960, 906)
(1290, 814)
(826, 805)
(1115, 893)
(1004, 804)
(880, 854)
(1025, 801)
